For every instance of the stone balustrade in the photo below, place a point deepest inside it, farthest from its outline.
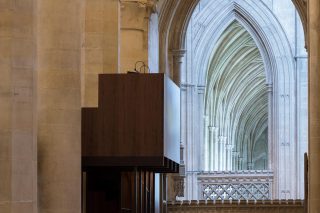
(243, 206)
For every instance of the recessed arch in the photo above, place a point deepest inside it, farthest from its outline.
(235, 81)
(277, 57)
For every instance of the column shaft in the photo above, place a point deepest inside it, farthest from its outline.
(314, 104)
(59, 105)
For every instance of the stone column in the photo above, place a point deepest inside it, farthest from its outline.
(176, 66)
(235, 156)
(59, 105)
(212, 147)
(229, 148)
(100, 45)
(250, 165)
(222, 154)
(206, 143)
(270, 126)
(134, 28)
(314, 104)
(215, 149)
(18, 149)
(240, 162)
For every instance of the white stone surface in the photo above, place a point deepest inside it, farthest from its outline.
(277, 31)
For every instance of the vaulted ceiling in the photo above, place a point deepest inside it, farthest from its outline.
(236, 94)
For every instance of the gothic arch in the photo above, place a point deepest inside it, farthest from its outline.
(274, 48)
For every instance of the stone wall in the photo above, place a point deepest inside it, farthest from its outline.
(314, 104)
(18, 148)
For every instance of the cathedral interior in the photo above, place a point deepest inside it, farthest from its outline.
(159, 106)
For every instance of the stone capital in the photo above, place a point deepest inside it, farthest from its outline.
(212, 128)
(269, 87)
(178, 52)
(144, 7)
(229, 147)
(222, 139)
(178, 55)
(235, 154)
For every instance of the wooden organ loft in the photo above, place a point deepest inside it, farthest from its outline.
(129, 142)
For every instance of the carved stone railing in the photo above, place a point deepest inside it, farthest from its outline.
(220, 206)
(235, 185)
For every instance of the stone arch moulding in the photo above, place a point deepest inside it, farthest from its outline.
(302, 8)
(279, 65)
(173, 22)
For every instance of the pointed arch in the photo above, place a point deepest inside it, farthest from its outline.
(278, 62)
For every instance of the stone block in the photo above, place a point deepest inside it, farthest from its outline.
(5, 145)
(94, 56)
(58, 80)
(6, 23)
(5, 207)
(23, 22)
(63, 98)
(22, 77)
(22, 145)
(59, 60)
(5, 49)
(25, 207)
(22, 53)
(6, 4)
(5, 115)
(5, 183)
(22, 180)
(22, 118)
(91, 90)
(93, 40)
(94, 25)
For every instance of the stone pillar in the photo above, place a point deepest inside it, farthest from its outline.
(59, 105)
(213, 148)
(250, 165)
(314, 104)
(134, 25)
(270, 126)
(215, 152)
(100, 45)
(177, 63)
(206, 143)
(235, 156)
(6, 107)
(18, 149)
(229, 148)
(210, 158)
(222, 154)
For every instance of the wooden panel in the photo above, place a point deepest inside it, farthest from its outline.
(132, 112)
(103, 192)
(137, 123)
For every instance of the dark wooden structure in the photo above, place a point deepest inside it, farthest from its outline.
(128, 141)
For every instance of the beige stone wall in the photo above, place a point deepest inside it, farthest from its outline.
(314, 104)
(18, 159)
(134, 34)
(115, 36)
(59, 105)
